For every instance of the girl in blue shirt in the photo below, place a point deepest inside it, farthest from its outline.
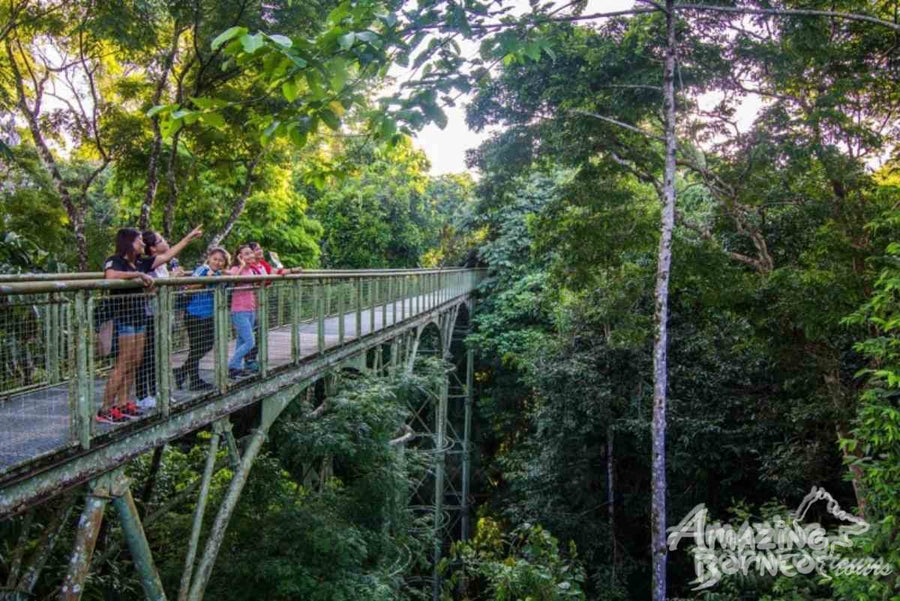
(198, 319)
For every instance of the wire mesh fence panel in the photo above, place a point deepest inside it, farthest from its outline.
(122, 365)
(34, 395)
(78, 363)
(279, 336)
(192, 340)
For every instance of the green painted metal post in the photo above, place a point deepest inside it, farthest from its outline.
(85, 541)
(395, 348)
(53, 337)
(296, 317)
(321, 300)
(418, 291)
(222, 334)
(165, 305)
(404, 287)
(84, 401)
(199, 511)
(467, 441)
(372, 285)
(217, 533)
(359, 307)
(263, 343)
(384, 304)
(279, 317)
(440, 426)
(341, 310)
(271, 408)
(133, 533)
(72, 372)
(396, 292)
(91, 367)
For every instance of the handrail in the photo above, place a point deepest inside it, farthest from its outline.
(44, 287)
(12, 278)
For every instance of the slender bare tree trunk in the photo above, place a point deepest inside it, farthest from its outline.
(156, 149)
(611, 500)
(172, 201)
(238, 207)
(660, 376)
(74, 210)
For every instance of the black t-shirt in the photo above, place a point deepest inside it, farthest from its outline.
(133, 309)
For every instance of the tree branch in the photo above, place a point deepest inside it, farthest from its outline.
(636, 130)
(789, 12)
(239, 205)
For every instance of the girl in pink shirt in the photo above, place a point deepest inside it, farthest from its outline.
(243, 308)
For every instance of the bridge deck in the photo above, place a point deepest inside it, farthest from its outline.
(37, 422)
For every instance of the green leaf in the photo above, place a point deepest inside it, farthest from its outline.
(158, 109)
(291, 90)
(281, 40)
(338, 73)
(346, 40)
(209, 103)
(226, 35)
(269, 132)
(338, 13)
(213, 119)
(388, 19)
(388, 128)
(330, 119)
(298, 137)
(533, 51)
(251, 43)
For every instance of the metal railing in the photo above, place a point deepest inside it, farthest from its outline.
(65, 344)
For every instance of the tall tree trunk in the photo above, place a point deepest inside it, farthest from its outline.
(74, 211)
(611, 500)
(156, 149)
(660, 376)
(238, 207)
(172, 201)
(150, 484)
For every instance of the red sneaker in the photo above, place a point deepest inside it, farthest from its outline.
(130, 411)
(113, 416)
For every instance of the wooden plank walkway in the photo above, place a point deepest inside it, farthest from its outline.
(36, 423)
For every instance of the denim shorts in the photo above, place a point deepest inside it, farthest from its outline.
(129, 329)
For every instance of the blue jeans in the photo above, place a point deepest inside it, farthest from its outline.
(243, 323)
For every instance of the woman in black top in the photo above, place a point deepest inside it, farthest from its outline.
(159, 254)
(130, 316)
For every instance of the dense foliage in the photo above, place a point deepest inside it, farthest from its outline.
(270, 121)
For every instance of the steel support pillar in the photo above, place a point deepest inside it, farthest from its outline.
(271, 409)
(199, 511)
(85, 540)
(217, 533)
(467, 442)
(133, 532)
(440, 429)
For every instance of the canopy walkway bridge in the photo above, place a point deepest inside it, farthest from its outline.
(57, 352)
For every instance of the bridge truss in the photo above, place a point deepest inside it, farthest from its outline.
(57, 368)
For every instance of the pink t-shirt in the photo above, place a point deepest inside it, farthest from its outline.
(244, 297)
